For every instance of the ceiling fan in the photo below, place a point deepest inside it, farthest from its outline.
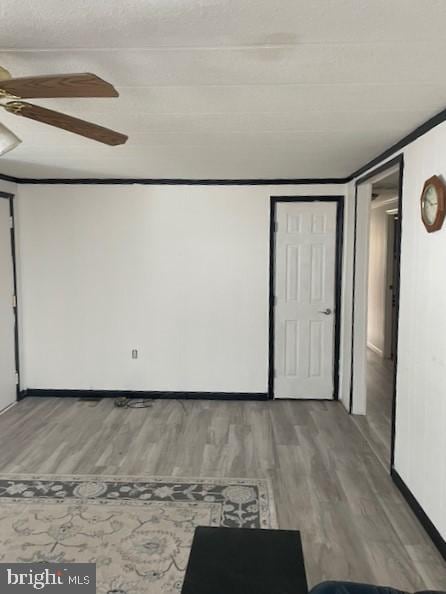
(53, 86)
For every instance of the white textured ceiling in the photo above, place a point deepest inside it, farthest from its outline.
(227, 88)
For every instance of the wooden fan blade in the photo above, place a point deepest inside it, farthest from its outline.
(58, 85)
(66, 122)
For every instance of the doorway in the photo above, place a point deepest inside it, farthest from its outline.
(305, 285)
(8, 320)
(376, 302)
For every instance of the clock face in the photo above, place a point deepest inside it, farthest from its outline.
(430, 205)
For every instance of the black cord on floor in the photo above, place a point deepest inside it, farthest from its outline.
(125, 402)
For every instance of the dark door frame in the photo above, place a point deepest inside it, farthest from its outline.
(10, 198)
(339, 200)
(397, 161)
(395, 251)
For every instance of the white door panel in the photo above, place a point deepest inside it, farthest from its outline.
(305, 271)
(7, 321)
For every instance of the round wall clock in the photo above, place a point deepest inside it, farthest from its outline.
(433, 204)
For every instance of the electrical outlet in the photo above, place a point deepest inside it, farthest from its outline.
(134, 353)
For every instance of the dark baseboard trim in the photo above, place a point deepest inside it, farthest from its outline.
(147, 394)
(424, 520)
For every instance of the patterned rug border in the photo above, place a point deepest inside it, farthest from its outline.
(125, 477)
(264, 486)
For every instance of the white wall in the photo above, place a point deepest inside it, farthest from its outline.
(347, 293)
(180, 273)
(378, 273)
(7, 320)
(9, 187)
(421, 406)
(420, 448)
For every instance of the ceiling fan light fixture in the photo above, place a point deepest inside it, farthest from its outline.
(8, 140)
(4, 74)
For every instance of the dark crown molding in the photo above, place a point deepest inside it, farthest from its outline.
(9, 178)
(437, 119)
(433, 122)
(174, 181)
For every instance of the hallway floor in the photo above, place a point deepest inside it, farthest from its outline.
(326, 478)
(376, 425)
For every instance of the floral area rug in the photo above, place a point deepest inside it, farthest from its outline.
(138, 530)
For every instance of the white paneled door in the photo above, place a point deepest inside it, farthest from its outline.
(7, 319)
(305, 282)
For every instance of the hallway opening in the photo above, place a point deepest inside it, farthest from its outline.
(381, 328)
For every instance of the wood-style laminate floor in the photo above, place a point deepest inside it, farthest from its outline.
(376, 424)
(327, 480)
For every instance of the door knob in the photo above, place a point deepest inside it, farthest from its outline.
(326, 312)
